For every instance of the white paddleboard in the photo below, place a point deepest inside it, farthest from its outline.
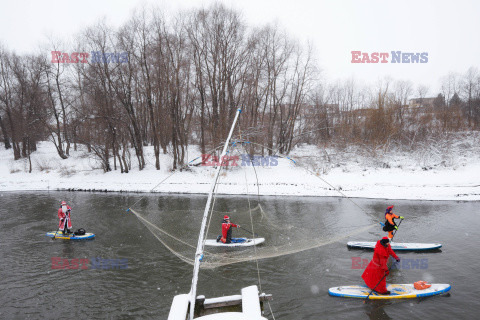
(70, 236)
(243, 242)
(396, 246)
(398, 291)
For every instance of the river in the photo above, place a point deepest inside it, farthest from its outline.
(147, 275)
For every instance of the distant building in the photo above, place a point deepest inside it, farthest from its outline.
(421, 102)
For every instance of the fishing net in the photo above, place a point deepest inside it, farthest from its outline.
(288, 226)
(288, 239)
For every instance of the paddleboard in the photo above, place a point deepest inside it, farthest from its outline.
(236, 242)
(70, 236)
(396, 246)
(398, 291)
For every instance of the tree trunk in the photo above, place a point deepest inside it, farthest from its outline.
(28, 154)
(6, 140)
(64, 114)
(16, 147)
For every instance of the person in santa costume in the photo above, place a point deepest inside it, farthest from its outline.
(377, 271)
(227, 230)
(65, 224)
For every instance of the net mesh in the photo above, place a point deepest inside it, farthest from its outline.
(286, 230)
(280, 241)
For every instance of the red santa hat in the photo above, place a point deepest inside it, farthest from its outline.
(384, 241)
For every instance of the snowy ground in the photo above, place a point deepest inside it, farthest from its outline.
(447, 171)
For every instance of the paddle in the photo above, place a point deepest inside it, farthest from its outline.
(248, 231)
(396, 230)
(386, 273)
(55, 235)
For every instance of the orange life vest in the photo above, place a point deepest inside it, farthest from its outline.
(421, 285)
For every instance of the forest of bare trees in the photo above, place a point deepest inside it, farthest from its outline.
(183, 80)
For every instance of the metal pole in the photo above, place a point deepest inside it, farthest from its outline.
(199, 252)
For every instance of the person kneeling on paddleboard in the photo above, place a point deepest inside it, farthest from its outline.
(65, 224)
(377, 271)
(390, 224)
(227, 230)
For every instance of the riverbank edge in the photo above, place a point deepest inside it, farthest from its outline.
(224, 194)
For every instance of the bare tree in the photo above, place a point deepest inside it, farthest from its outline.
(6, 97)
(402, 92)
(53, 73)
(470, 86)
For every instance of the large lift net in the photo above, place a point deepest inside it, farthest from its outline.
(289, 226)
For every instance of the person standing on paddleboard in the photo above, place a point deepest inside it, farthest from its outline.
(65, 224)
(390, 224)
(377, 271)
(227, 230)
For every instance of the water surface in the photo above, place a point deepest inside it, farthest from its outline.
(31, 289)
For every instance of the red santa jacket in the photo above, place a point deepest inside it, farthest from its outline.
(62, 215)
(226, 227)
(378, 266)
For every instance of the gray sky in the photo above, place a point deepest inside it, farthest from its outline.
(447, 30)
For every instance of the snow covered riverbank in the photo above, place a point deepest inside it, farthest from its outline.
(433, 177)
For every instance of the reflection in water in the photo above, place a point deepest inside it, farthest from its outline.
(68, 250)
(375, 310)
